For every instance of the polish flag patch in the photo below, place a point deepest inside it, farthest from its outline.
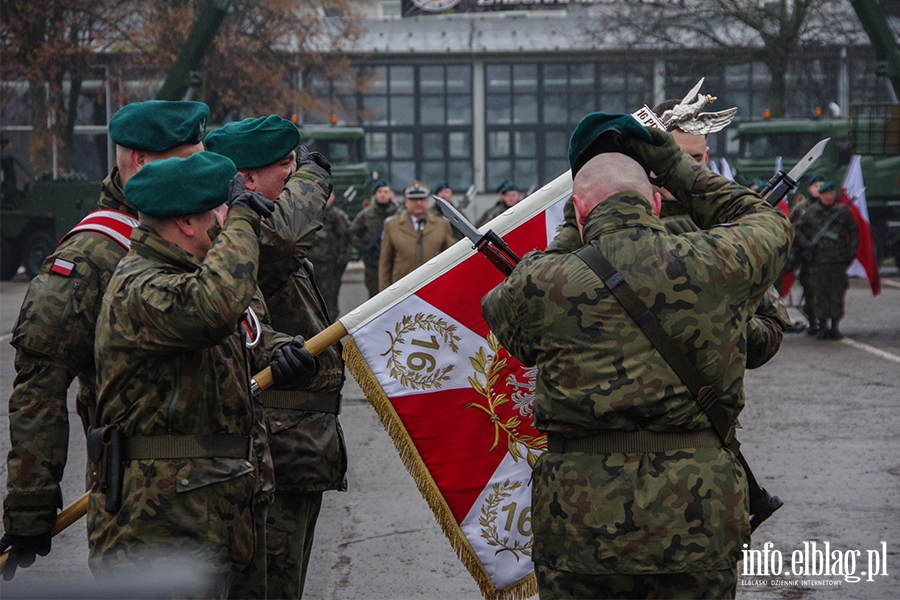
(62, 267)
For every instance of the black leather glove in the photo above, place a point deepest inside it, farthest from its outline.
(292, 366)
(238, 196)
(22, 551)
(305, 157)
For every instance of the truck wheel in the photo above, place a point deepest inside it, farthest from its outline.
(9, 260)
(38, 246)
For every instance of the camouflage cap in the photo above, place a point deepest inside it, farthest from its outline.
(828, 186)
(416, 189)
(254, 143)
(380, 183)
(602, 132)
(176, 187)
(159, 125)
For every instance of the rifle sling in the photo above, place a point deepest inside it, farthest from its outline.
(670, 350)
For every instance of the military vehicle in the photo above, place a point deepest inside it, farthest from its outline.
(872, 131)
(345, 149)
(36, 214)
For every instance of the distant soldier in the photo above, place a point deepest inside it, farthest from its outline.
(182, 467)
(442, 190)
(828, 257)
(411, 238)
(305, 434)
(54, 334)
(367, 228)
(509, 196)
(815, 184)
(330, 253)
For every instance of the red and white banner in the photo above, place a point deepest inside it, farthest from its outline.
(456, 405)
(854, 195)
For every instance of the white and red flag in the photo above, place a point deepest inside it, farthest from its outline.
(456, 405)
(854, 196)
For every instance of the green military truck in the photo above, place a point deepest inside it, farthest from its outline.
(36, 214)
(345, 148)
(872, 131)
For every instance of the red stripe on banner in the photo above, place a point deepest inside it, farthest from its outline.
(457, 456)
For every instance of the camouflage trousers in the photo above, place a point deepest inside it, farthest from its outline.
(328, 280)
(372, 279)
(808, 300)
(290, 526)
(553, 584)
(829, 283)
(252, 582)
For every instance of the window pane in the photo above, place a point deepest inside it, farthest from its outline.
(499, 112)
(582, 78)
(402, 173)
(498, 78)
(433, 171)
(612, 103)
(432, 108)
(497, 170)
(401, 80)
(376, 144)
(525, 110)
(379, 82)
(402, 145)
(555, 108)
(403, 110)
(375, 110)
(433, 145)
(555, 78)
(459, 144)
(525, 143)
(580, 105)
(459, 110)
(525, 79)
(498, 143)
(554, 167)
(611, 81)
(556, 144)
(459, 173)
(431, 80)
(459, 79)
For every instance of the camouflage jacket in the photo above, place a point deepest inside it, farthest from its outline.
(173, 360)
(665, 512)
(839, 244)
(366, 230)
(492, 213)
(54, 342)
(307, 447)
(332, 244)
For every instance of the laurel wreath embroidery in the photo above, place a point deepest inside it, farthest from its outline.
(414, 378)
(490, 368)
(488, 520)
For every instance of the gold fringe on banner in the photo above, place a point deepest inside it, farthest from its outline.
(409, 454)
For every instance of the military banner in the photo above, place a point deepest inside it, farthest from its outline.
(456, 405)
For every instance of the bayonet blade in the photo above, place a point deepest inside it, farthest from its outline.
(807, 161)
(457, 219)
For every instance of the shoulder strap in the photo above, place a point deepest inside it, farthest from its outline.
(670, 350)
(114, 224)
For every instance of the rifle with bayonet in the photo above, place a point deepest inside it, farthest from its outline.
(781, 183)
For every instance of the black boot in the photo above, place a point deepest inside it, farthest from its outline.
(822, 329)
(813, 328)
(834, 333)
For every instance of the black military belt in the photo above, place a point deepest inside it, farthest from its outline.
(301, 400)
(633, 442)
(186, 446)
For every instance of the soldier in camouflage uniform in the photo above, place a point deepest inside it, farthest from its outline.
(367, 228)
(829, 260)
(305, 435)
(54, 334)
(815, 183)
(176, 346)
(509, 196)
(668, 521)
(330, 253)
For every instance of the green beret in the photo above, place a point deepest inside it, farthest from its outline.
(503, 183)
(816, 178)
(159, 125)
(379, 183)
(440, 185)
(176, 187)
(508, 186)
(254, 143)
(601, 132)
(828, 186)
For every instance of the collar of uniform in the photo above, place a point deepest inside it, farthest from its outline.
(624, 210)
(149, 244)
(388, 208)
(112, 195)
